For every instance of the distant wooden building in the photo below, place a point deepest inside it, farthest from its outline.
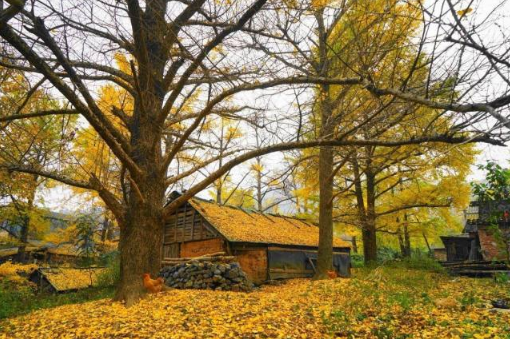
(64, 254)
(439, 254)
(9, 254)
(477, 241)
(476, 250)
(267, 246)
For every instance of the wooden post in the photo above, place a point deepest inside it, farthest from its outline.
(193, 224)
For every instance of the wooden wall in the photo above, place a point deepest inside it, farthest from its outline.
(187, 225)
(254, 263)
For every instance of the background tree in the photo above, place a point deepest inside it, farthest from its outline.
(85, 237)
(35, 143)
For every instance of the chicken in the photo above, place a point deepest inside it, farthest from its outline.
(332, 274)
(153, 285)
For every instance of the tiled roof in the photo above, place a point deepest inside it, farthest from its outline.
(241, 225)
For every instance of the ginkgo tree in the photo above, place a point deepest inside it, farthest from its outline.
(394, 193)
(373, 38)
(175, 49)
(389, 186)
(37, 143)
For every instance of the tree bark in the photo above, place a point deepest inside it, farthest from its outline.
(141, 237)
(427, 242)
(369, 229)
(326, 154)
(140, 252)
(21, 256)
(407, 240)
(325, 255)
(105, 229)
(401, 242)
(366, 218)
(369, 244)
(142, 226)
(354, 245)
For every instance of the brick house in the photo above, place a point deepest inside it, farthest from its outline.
(477, 242)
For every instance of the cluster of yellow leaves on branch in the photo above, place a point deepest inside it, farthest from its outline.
(385, 303)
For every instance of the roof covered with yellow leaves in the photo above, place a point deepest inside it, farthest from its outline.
(66, 278)
(64, 249)
(241, 225)
(13, 250)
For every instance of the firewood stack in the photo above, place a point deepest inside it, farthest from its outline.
(214, 272)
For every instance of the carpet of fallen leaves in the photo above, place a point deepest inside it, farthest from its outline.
(382, 303)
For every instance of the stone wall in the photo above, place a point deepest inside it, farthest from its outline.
(201, 274)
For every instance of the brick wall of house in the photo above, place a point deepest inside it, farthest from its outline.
(202, 247)
(490, 248)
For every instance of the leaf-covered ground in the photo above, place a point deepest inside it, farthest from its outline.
(382, 303)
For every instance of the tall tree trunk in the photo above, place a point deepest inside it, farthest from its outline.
(369, 243)
(366, 218)
(370, 231)
(142, 227)
(219, 187)
(141, 237)
(105, 230)
(407, 239)
(427, 242)
(354, 245)
(401, 241)
(326, 168)
(325, 255)
(21, 256)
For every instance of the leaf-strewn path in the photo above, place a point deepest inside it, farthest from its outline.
(385, 303)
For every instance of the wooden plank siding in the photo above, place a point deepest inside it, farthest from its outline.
(186, 225)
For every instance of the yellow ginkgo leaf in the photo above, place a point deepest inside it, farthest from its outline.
(465, 12)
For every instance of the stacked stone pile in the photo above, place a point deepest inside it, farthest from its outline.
(215, 273)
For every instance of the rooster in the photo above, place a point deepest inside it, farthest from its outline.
(332, 274)
(153, 285)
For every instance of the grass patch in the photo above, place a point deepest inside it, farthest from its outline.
(395, 299)
(17, 300)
